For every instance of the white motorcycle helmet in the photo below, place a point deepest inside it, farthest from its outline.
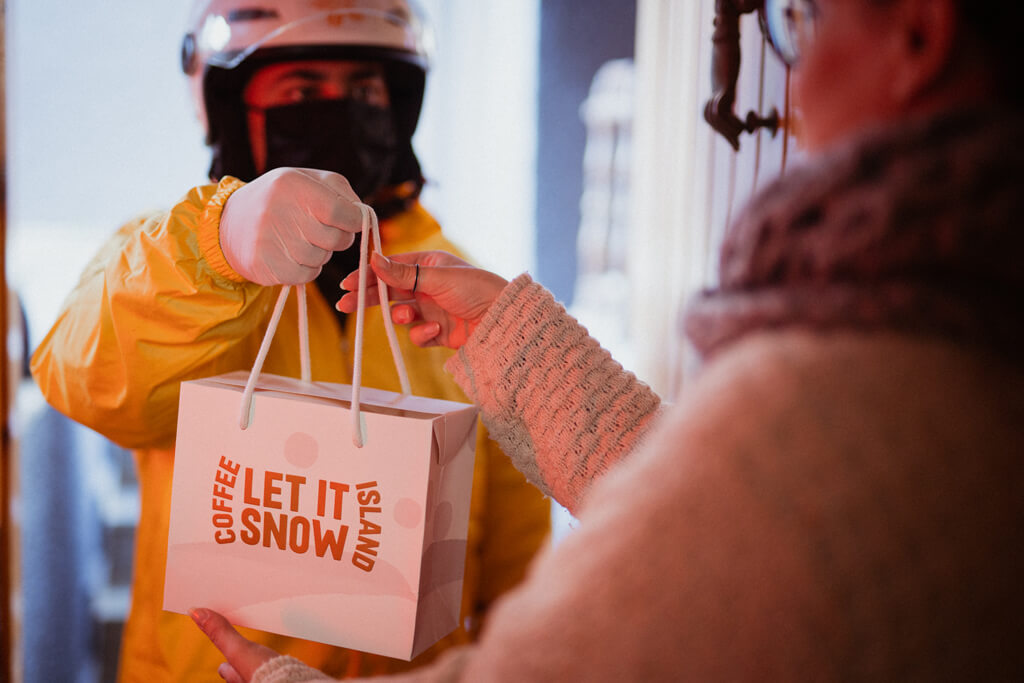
(228, 40)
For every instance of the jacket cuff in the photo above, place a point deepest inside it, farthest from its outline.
(209, 229)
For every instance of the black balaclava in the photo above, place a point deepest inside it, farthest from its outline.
(370, 146)
(346, 136)
(349, 137)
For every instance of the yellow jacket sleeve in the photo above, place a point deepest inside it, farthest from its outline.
(157, 305)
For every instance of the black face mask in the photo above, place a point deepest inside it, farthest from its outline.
(348, 137)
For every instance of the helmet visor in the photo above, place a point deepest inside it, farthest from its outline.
(225, 39)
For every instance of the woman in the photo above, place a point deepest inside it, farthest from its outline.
(837, 495)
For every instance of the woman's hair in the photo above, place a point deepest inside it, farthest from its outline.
(996, 26)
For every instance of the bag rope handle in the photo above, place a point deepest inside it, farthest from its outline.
(370, 231)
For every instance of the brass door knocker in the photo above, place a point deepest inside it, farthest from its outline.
(725, 70)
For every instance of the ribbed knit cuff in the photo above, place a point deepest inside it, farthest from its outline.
(209, 229)
(507, 312)
(556, 402)
(285, 669)
(484, 364)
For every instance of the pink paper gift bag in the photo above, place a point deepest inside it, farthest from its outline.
(287, 526)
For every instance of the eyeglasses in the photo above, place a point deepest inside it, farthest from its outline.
(791, 26)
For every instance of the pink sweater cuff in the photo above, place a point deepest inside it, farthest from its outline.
(285, 669)
(558, 404)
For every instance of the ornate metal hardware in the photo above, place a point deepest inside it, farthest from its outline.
(725, 70)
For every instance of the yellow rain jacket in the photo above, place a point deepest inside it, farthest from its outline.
(158, 305)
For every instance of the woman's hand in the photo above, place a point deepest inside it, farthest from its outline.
(441, 296)
(243, 655)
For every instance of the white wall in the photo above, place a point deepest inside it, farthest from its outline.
(671, 255)
(478, 133)
(100, 128)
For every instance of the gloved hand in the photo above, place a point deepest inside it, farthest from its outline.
(282, 227)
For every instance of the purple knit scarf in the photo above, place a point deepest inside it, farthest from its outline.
(918, 229)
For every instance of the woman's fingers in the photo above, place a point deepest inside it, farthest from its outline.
(403, 314)
(404, 277)
(243, 655)
(349, 301)
(442, 296)
(425, 334)
(228, 673)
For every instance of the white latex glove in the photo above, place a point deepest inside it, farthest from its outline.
(283, 227)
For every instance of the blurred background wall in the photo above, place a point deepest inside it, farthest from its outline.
(100, 128)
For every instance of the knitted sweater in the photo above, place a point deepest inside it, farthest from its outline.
(825, 501)
(764, 531)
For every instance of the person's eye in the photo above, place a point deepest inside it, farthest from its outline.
(302, 94)
(369, 91)
(362, 91)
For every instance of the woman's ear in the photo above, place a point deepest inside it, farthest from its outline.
(927, 34)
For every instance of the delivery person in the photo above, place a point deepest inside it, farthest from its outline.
(333, 88)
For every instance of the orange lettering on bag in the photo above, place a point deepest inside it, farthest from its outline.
(296, 483)
(270, 489)
(223, 480)
(271, 494)
(247, 496)
(363, 562)
(250, 519)
(326, 540)
(276, 528)
(224, 532)
(368, 527)
(366, 548)
(321, 497)
(229, 466)
(298, 534)
(221, 492)
(368, 497)
(224, 477)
